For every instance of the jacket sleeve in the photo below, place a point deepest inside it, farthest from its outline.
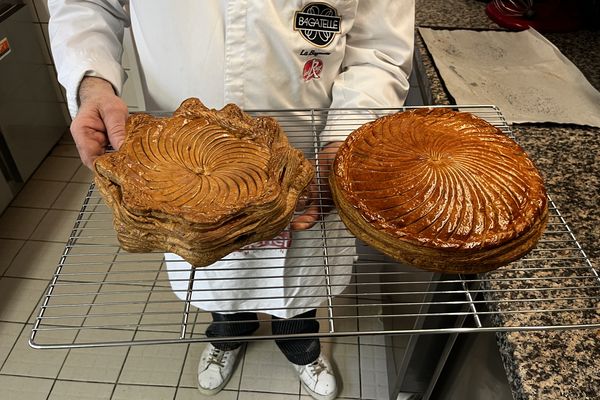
(86, 38)
(377, 61)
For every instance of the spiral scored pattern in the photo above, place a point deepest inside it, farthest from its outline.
(201, 183)
(199, 166)
(438, 179)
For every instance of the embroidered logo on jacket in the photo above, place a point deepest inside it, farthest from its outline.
(312, 69)
(314, 53)
(318, 23)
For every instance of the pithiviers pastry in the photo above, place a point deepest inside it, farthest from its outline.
(201, 183)
(440, 190)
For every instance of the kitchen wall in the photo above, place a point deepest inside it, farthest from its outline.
(39, 12)
(132, 91)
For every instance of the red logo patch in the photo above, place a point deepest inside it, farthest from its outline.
(312, 69)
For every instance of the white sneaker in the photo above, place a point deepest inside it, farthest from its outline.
(215, 368)
(318, 379)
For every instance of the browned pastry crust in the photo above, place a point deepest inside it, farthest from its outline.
(201, 183)
(440, 190)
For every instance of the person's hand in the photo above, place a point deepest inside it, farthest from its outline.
(318, 192)
(100, 120)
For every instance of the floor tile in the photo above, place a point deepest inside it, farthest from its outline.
(24, 360)
(136, 392)
(87, 262)
(153, 364)
(164, 312)
(102, 364)
(67, 306)
(190, 368)
(38, 194)
(56, 226)
(117, 306)
(66, 139)
(194, 394)
(139, 268)
(36, 260)
(96, 228)
(9, 249)
(344, 318)
(66, 390)
(373, 372)
(71, 198)
(370, 317)
(19, 223)
(23, 388)
(346, 361)
(265, 396)
(266, 369)
(19, 298)
(9, 334)
(57, 169)
(163, 281)
(65, 150)
(83, 175)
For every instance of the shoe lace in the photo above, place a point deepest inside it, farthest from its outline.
(316, 367)
(217, 357)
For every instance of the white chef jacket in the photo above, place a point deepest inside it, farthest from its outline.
(265, 54)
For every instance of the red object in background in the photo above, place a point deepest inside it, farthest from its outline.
(546, 16)
(4, 47)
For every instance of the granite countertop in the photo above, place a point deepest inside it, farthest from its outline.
(545, 364)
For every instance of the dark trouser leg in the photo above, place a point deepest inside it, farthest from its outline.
(238, 324)
(298, 351)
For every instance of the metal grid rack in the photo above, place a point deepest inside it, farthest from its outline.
(101, 295)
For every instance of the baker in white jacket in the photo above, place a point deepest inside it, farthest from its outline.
(265, 54)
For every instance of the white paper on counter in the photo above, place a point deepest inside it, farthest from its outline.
(522, 73)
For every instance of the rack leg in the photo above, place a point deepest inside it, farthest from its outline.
(188, 304)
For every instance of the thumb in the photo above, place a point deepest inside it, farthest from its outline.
(114, 117)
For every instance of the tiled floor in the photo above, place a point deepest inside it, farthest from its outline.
(33, 231)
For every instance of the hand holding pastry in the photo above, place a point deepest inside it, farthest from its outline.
(100, 120)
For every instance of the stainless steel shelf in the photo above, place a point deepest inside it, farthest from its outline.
(101, 295)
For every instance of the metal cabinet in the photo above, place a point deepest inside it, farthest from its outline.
(31, 120)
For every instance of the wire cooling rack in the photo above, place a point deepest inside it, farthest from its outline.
(101, 295)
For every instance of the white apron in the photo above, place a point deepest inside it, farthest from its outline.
(276, 280)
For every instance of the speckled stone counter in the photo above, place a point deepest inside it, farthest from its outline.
(545, 364)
